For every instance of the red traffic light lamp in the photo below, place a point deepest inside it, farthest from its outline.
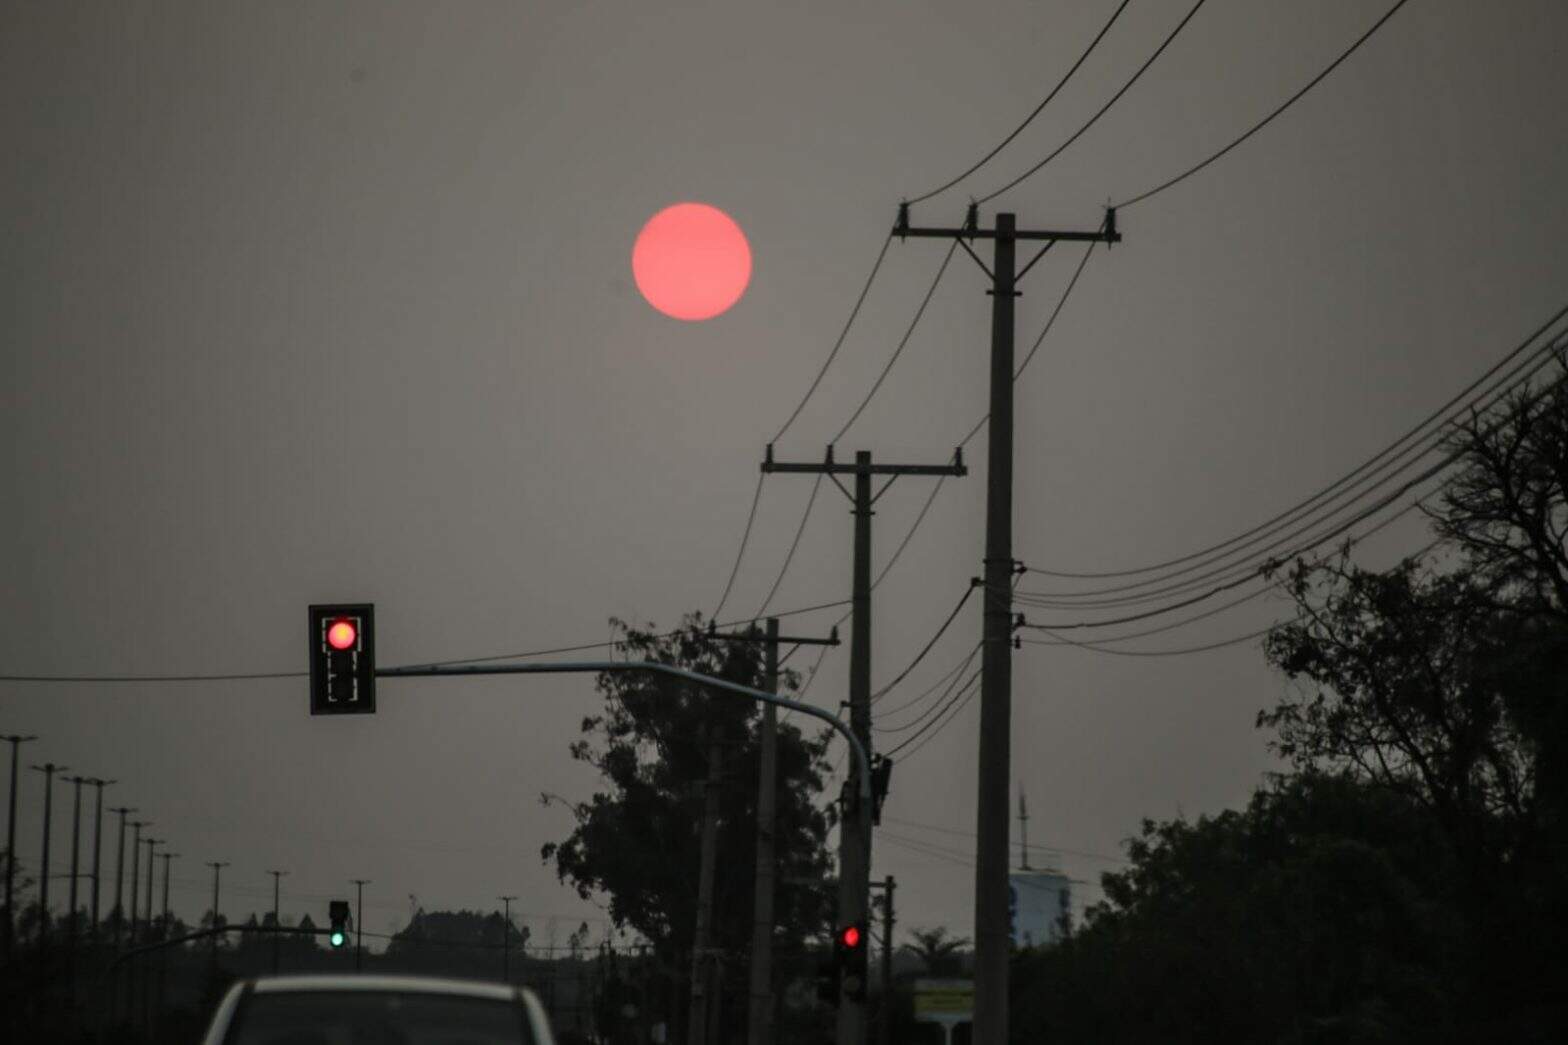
(849, 960)
(342, 634)
(342, 659)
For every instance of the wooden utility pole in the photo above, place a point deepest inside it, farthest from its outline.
(760, 1013)
(359, 922)
(506, 938)
(854, 859)
(277, 921)
(48, 769)
(119, 875)
(992, 938)
(98, 785)
(885, 1023)
(136, 866)
(702, 940)
(16, 740)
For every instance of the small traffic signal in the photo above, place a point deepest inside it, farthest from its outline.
(850, 958)
(337, 913)
(342, 659)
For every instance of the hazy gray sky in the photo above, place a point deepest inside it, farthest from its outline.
(314, 302)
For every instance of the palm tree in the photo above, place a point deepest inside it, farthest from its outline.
(937, 951)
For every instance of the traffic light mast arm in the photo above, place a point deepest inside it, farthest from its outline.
(597, 666)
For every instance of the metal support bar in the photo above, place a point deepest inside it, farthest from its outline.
(596, 666)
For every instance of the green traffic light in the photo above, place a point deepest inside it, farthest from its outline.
(338, 939)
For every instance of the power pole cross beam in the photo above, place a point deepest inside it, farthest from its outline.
(855, 838)
(992, 938)
(760, 1013)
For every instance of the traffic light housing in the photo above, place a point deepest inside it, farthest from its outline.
(337, 913)
(850, 948)
(343, 659)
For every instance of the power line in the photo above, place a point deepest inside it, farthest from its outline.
(1184, 175)
(745, 537)
(1225, 606)
(793, 545)
(1103, 109)
(946, 677)
(1092, 598)
(1030, 118)
(1336, 484)
(838, 344)
(940, 631)
(957, 706)
(897, 351)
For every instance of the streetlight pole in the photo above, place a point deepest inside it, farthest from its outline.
(48, 769)
(99, 784)
(506, 939)
(119, 875)
(76, 838)
(136, 865)
(16, 740)
(152, 843)
(277, 876)
(359, 922)
(167, 859)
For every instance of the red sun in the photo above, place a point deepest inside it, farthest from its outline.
(691, 261)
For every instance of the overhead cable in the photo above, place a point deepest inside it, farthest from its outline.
(1103, 109)
(1184, 175)
(1038, 109)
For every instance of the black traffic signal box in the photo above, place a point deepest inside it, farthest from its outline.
(343, 659)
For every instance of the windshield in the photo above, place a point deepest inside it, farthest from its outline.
(377, 1018)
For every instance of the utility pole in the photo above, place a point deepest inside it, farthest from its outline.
(152, 843)
(506, 938)
(885, 1024)
(854, 860)
(1023, 830)
(277, 876)
(992, 938)
(702, 940)
(760, 1014)
(76, 837)
(16, 740)
(99, 785)
(48, 769)
(119, 874)
(136, 864)
(167, 858)
(217, 874)
(359, 922)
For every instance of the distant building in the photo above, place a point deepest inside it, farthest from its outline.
(1038, 904)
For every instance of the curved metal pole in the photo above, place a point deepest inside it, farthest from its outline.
(596, 666)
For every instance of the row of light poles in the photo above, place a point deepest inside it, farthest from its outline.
(141, 903)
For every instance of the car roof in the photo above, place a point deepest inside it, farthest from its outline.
(404, 984)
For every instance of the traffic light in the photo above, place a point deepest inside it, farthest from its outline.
(337, 913)
(849, 957)
(343, 659)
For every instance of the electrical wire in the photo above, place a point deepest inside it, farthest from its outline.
(745, 537)
(1143, 593)
(1336, 484)
(1184, 175)
(957, 707)
(1412, 506)
(795, 544)
(897, 351)
(879, 694)
(838, 344)
(1103, 109)
(1030, 118)
(945, 679)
